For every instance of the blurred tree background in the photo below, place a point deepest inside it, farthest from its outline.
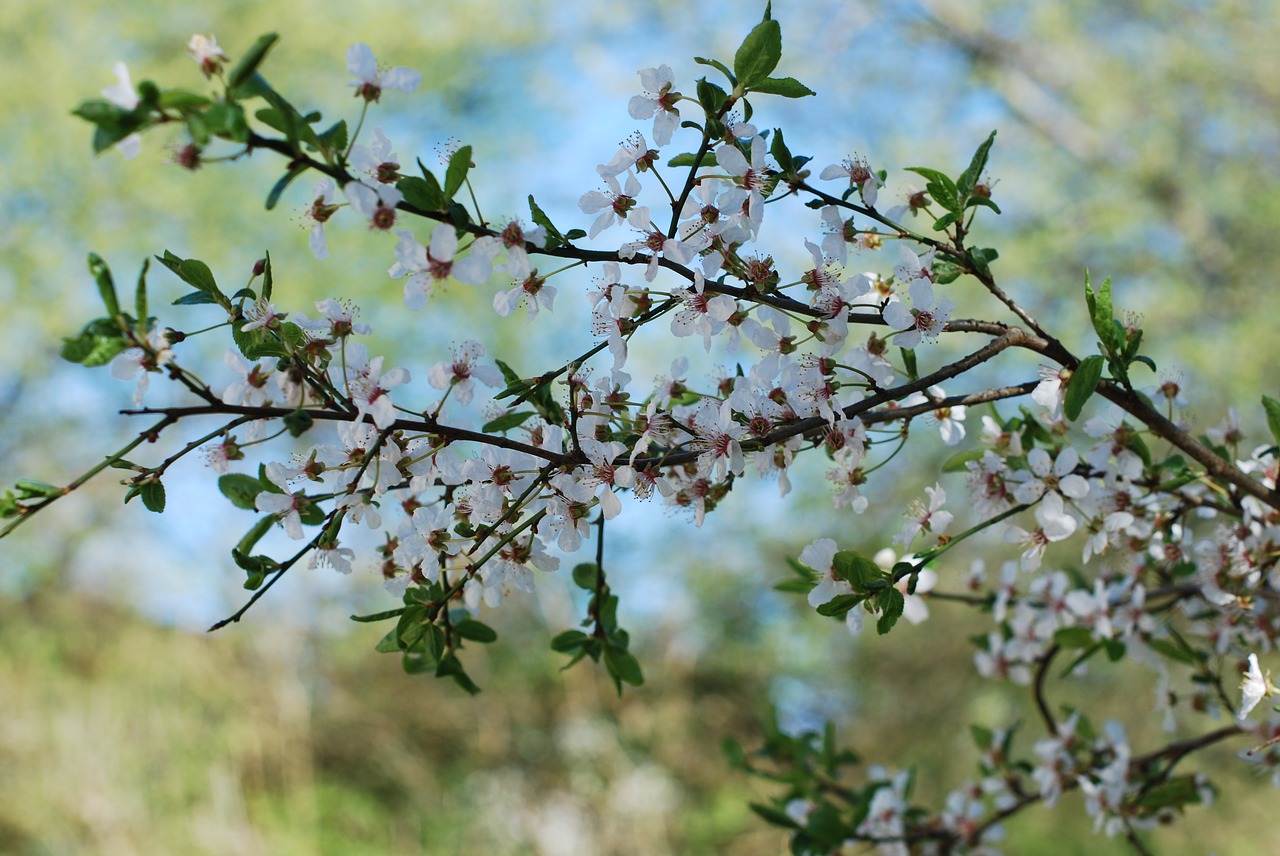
(1136, 139)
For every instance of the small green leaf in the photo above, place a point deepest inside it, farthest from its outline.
(787, 87)
(1102, 315)
(711, 97)
(377, 616)
(969, 178)
(195, 298)
(586, 575)
(891, 603)
(140, 293)
(274, 196)
(777, 817)
(421, 193)
(456, 174)
(249, 62)
(476, 631)
(717, 64)
(506, 422)
(569, 641)
(1272, 409)
(182, 100)
(687, 159)
(1073, 637)
(242, 490)
(759, 54)
(106, 286)
(1083, 383)
(298, 422)
(856, 568)
(622, 666)
(540, 218)
(254, 535)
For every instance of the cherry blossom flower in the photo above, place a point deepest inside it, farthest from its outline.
(751, 175)
(658, 101)
(369, 81)
(859, 174)
(206, 53)
(1052, 389)
(369, 385)
(338, 321)
(284, 505)
(376, 161)
(926, 318)
(922, 519)
(318, 213)
(427, 266)
(463, 371)
(137, 364)
(1055, 525)
(615, 205)
(820, 556)
(377, 202)
(703, 314)
(1254, 688)
(1048, 475)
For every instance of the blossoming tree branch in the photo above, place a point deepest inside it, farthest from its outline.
(1176, 532)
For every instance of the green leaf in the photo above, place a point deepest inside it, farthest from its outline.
(388, 644)
(891, 604)
(451, 666)
(456, 174)
(586, 575)
(182, 100)
(787, 87)
(957, 462)
(152, 493)
(969, 178)
(540, 218)
(334, 139)
(242, 490)
(96, 345)
(1074, 637)
(227, 120)
(717, 64)
(857, 569)
(106, 285)
(981, 259)
(506, 422)
(569, 641)
(476, 631)
(1083, 383)
(622, 666)
(940, 187)
(195, 298)
(377, 616)
(274, 196)
(422, 193)
(255, 534)
(759, 55)
(687, 159)
(248, 64)
(840, 604)
(140, 293)
(775, 816)
(298, 422)
(1102, 315)
(711, 97)
(1272, 409)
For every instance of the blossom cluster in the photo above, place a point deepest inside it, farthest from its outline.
(835, 356)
